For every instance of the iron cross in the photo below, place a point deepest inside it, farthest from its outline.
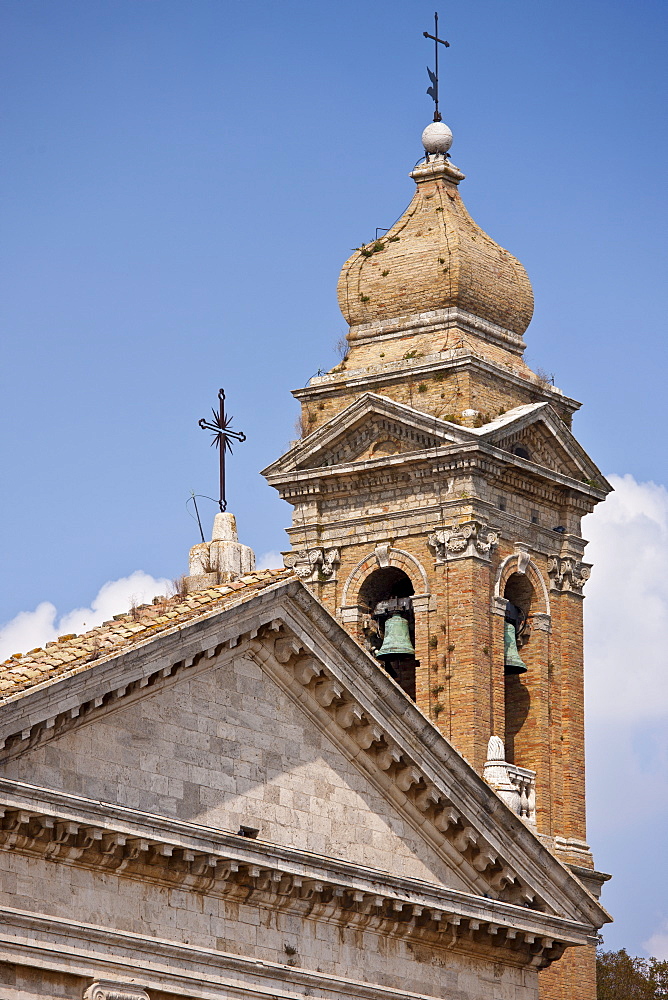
(433, 90)
(222, 438)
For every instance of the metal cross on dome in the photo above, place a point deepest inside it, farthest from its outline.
(433, 90)
(222, 438)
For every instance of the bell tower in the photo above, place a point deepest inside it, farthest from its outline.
(438, 493)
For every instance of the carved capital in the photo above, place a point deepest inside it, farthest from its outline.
(104, 989)
(567, 575)
(314, 565)
(461, 541)
(540, 622)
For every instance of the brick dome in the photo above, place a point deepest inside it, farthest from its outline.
(435, 257)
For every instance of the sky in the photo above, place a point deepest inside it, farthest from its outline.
(180, 185)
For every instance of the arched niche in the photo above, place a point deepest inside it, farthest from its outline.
(520, 564)
(520, 581)
(387, 575)
(382, 584)
(384, 557)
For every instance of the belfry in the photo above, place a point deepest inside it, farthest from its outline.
(438, 492)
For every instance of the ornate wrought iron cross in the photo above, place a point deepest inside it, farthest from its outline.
(433, 90)
(222, 439)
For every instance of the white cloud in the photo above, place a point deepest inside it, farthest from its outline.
(657, 944)
(626, 674)
(30, 629)
(626, 610)
(270, 560)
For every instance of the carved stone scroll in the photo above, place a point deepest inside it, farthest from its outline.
(104, 989)
(461, 541)
(313, 565)
(567, 574)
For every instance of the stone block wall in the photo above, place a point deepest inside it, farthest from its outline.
(442, 391)
(228, 748)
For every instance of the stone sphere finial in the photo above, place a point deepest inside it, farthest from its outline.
(437, 138)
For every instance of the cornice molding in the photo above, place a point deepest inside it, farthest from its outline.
(465, 458)
(202, 973)
(433, 322)
(78, 832)
(371, 378)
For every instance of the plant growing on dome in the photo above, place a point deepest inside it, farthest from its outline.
(376, 247)
(342, 347)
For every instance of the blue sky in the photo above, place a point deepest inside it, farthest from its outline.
(180, 185)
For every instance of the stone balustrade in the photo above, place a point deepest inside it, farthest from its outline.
(515, 785)
(524, 800)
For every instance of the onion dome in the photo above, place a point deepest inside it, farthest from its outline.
(435, 258)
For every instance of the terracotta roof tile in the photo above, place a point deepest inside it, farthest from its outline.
(72, 653)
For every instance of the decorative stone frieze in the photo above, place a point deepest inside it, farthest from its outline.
(313, 565)
(567, 574)
(104, 989)
(224, 866)
(463, 541)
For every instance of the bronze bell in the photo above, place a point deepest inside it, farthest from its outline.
(512, 661)
(396, 640)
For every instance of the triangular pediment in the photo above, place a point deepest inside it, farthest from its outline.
(373, 427)
(534, 433)
(226, 747)
(269, 716)
(376, 430)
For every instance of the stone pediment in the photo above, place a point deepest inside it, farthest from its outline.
(537, 444)
(374, 430)
(534, 433)
(268, 717)
(373, 427)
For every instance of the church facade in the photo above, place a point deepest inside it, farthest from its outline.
(361, 776)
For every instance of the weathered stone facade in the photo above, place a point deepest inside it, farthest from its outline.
(243, 804)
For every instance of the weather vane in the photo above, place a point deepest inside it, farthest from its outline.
(222, 439)
(433, 90)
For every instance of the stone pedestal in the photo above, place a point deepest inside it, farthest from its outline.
(221, 560)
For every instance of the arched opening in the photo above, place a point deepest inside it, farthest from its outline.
(518, 591)
(385, 598)
(383, 584)
(520, 596)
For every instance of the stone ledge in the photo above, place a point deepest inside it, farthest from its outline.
(174, 968)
